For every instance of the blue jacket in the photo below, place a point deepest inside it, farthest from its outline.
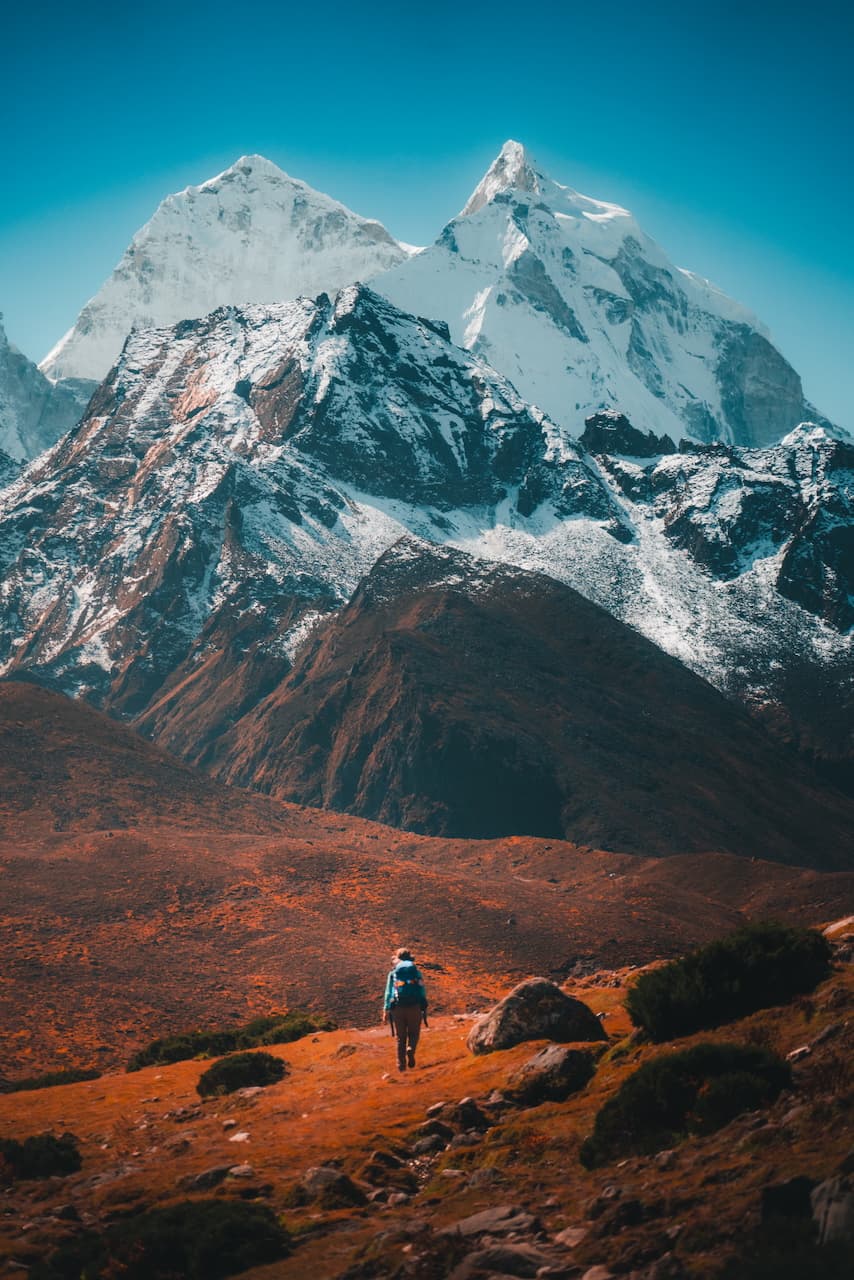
(390, 992)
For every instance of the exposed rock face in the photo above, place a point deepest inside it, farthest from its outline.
(236, 477)
(251, 234)
(571, 300)
(611, 433)
(761, 394)
(535, 1010)
(34, 412)
(551, 1075)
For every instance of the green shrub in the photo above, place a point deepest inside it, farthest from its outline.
(275, 1028)
(240, 1071)
(51, 1078)
(196, 1240)
(759, 965)
(695, 1091)
(42, 1156)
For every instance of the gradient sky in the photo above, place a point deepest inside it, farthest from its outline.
(727, 128)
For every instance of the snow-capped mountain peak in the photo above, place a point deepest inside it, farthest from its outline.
(568, 297)
(511, 170)
(251, 234)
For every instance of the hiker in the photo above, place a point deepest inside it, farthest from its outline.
(405, 1005)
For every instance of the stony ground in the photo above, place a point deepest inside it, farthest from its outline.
(148, 1140)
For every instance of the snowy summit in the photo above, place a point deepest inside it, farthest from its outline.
(251, 234)
(570, 299)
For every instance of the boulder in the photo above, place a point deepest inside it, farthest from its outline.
(833, 1210)
(551, 1075)
(206, 1179)
(331, 1187)
(535, 1010)
(498, 1221)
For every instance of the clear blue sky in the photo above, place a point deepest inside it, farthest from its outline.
(726, 127)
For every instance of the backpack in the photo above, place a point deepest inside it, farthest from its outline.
(407, 984)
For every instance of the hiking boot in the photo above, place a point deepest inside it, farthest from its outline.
(410, 1057)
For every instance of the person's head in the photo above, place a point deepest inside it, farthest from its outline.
(402, 953)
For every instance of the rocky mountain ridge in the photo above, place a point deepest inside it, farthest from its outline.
(235, 477)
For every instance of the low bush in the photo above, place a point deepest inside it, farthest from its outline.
(51, 1078)
(240, 1071)
(693, 1092)
(42, 1156)
(275, 1028)
(196, 1240)
(758, 966)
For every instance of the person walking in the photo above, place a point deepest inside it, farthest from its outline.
(405, 1005)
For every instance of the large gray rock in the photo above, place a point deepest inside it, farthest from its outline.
(833, 1210)
(551, 1075)
(535, 1010)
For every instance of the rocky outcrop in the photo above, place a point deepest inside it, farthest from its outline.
(551, 1075)
(534, 1010)
(235, 478)
(611, 433)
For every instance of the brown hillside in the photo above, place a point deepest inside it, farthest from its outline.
(455, 698)
(201, 905)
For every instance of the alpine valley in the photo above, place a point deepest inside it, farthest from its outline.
(494, 597)
(532, 535)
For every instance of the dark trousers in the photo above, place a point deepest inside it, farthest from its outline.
(407, 1027)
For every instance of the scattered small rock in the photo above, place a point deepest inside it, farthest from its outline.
(509, 1259)
(470, 1139)
(603, 1201)
(571, 1236)
(241, 1171)
(229, 1124)
(427, 1146)
(206, 1179)
(498, 1221)
(330, 1185)
(803, 1051)
(242, 1136)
